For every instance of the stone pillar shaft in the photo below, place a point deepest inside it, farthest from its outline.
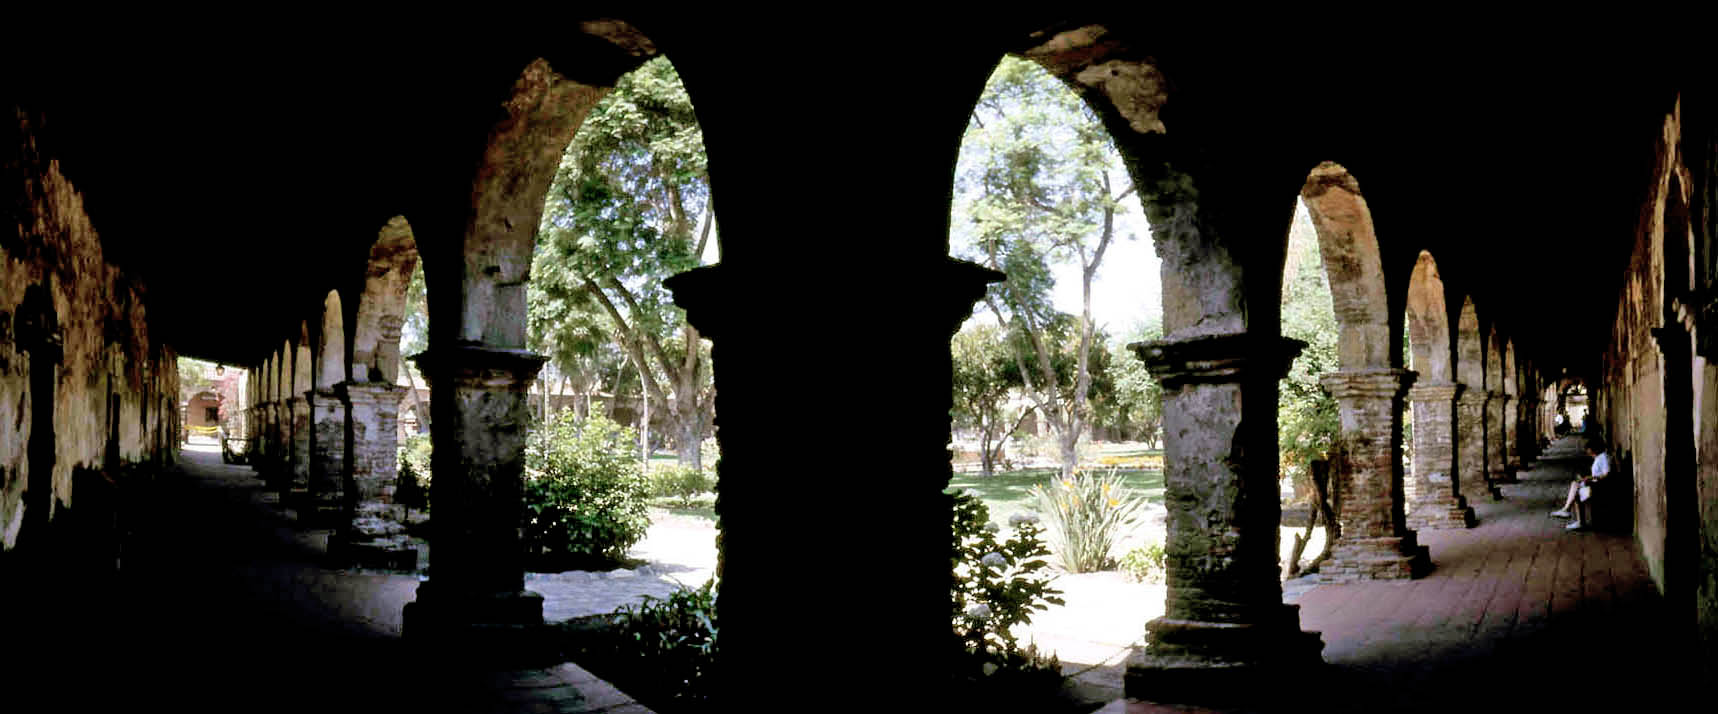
(478, 395)
(1496, 453)
(1473, 477)
(298, 414)
(1439, 502)
(328, 449)
(1376, 542)
(371, 529)
(1511, 434)
(1224, 604)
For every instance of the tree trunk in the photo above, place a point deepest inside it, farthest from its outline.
(689, 452)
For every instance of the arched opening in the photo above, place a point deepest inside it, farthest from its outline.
(1374, 541)
(331, 343)
(1437, 499)
(1052, 413)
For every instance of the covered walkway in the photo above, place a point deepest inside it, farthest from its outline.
(223, 605)
(1518, 615)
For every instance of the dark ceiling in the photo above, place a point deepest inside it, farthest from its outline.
(1521, 160)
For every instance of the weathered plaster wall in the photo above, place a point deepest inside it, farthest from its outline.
(114, 388)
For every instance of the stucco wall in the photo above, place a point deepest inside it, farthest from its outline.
(114, 387)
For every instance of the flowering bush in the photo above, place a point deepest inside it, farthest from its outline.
(998, 585)
(1086, 515)
(584, 492)
(1145, 563)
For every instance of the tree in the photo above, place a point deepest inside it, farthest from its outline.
(1307, 418)
(630, 206)
(1134, 406)
(1039, 181)
(985, 376)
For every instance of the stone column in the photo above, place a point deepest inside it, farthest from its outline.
(479, 400)
(1527, 431)
(1376, 543)
(1439, 502)
(1511, 434)
(327, 454)
(372, 533)
(298, 444)
(1496, 453)
(1224, 622)
(1472, 477)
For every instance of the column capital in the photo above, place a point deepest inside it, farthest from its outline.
(718, 299)
(367, 391)
(478, 366)
(1436, 392)
(1386, 383)
(1218, 358)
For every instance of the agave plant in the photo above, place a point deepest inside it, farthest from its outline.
(1085, 516)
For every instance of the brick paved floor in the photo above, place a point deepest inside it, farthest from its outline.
(1519, 615)
(224, 606)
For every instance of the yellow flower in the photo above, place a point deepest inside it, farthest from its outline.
(1114, 503)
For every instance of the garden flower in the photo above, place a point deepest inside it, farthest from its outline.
(980, 611)
(994, 559)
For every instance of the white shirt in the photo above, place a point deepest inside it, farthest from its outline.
(1602, 465)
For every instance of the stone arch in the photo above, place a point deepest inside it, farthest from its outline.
(1348, 243)
(1510, 373)
(1429, 322)
(283, 373)
(1494, 342)
(331, 346)
(301, 364)
(381, 308)
(1470, 348)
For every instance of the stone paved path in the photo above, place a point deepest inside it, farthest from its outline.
(1519, 615)
(223, 606)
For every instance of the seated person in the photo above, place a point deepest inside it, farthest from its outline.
(1578, 496)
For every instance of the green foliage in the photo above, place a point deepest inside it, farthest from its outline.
(998, 585)
(1086, 515)
(1307, 419)
(1133, 405)
(413, 487)
(673, 638)
(1144, 564)
(629, 206)
(1038, 184)
(682, 483)
(584, 491)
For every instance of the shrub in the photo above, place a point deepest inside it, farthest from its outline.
(996, 586)
(584, 491)
(682, 483)
(413, 481)
(1086, 515)
(672, 638)
(1144, 564)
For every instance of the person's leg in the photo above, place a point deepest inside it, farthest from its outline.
(1574, 489)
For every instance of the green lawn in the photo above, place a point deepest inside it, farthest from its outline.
(1008, 493)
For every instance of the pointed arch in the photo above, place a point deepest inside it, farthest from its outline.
(1348, 243)
(1494, 359)
(1470, 347)
(1510, 375)
(301, 382)
(331, 347)
(1429, 322)
(382, 306)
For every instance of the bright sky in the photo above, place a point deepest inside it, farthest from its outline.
(1129, 285)
(1128, 289)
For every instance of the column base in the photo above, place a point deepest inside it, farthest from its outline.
(1443, 511)
(506, 631)
(435, 616)
(1392, 558)
(1216, 663)
(383, 553)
